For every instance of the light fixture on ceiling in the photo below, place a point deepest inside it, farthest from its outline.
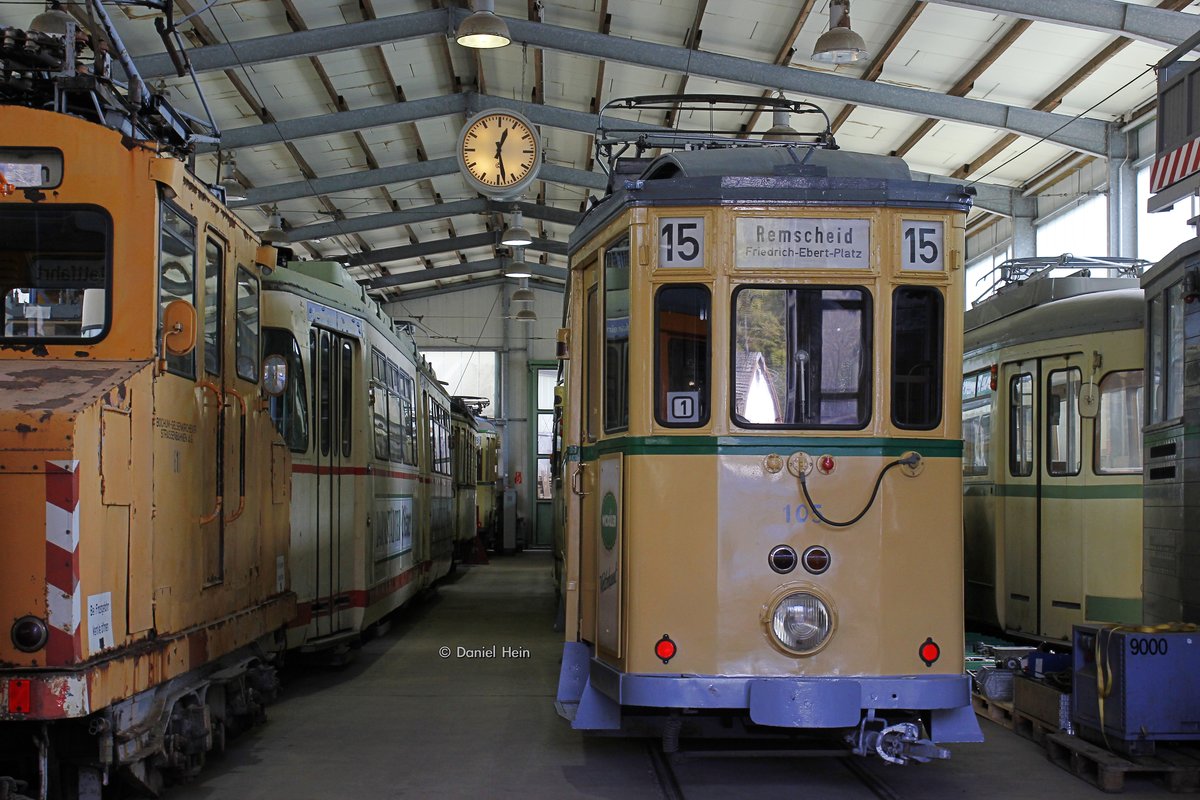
(274, 232)
(525, 315)
(523, 295)
(517, 268)
(483, 30)
(780, 130)
(839, 44)
(234, 188)
(53, 20)
(515, 235)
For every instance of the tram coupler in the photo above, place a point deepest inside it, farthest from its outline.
(895, 744)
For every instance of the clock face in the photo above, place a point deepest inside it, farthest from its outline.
(499, 152)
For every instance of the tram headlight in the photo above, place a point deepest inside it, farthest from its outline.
(29, 634)
(801, 622)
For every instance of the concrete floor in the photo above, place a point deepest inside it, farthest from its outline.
(402, 721)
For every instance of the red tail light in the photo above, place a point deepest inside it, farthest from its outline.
(20, 696)
(929, 652)
(665, 649)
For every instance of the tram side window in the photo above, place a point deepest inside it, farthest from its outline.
(176, 275)
(324, 380)
(1020, 444)
(616, 336)
(917, 357)
(409, 424)
(246, 322)
(802, 357)
(977, 423)
(394, 415)
(214, 270)
(347, 405)
(289, 411)
(1063, 423)
(56, 271)
(379, 404)
(681, 352)
(1118, 434)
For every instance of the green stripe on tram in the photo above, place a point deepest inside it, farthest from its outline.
(1120, 491)
(1174, 432)
(765, 445)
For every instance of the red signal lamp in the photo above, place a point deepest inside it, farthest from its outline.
(995, 370)
(665, 649)
(929, 651)
(20, 696)
(825, 464)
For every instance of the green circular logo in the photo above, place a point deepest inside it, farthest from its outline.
(608, 521)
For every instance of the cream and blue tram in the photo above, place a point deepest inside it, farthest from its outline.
(762, 435)
(464, 443)
(1171, 513)
(1052, 464)
(368, 428)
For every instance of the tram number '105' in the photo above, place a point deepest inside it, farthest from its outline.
(799, 514)
(1147, 646)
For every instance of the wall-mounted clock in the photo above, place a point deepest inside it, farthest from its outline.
(499, 152)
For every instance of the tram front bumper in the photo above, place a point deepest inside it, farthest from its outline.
(783, 702)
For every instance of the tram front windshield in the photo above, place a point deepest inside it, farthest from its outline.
(801, 357)
(55, 270)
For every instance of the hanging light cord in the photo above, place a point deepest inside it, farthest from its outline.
(910, 460)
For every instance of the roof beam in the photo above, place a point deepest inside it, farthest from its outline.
(314, 42)
(878, 60)
(485, 239)
(1081, 134)
(457, 271)
(410, 216)
(783, 57)
(462, 286)
(1153, 25)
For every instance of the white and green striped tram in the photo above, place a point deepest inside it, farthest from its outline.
(1052, 399)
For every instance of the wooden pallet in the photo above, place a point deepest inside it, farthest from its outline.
(1179, 768)
(1032, 728)
(998, 711)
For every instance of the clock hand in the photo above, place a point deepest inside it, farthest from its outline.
(500, 160)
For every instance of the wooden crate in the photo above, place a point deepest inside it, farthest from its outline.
(998, 711)
(1178, 767)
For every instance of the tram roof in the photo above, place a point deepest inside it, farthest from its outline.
(1068, 307)
(775, 175)
(1172, 265)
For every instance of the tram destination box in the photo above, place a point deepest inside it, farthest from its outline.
(1155, 686)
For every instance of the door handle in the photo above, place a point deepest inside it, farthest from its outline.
(209, 386)
(577, 480)
(241, 455)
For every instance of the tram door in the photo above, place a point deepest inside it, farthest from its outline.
(333, 385)
(1020, 497)
(584, 477)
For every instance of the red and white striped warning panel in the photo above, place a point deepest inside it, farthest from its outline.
(1175, 166)
(62, 564)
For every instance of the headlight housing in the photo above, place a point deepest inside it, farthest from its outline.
(801, 623)
(29, 634)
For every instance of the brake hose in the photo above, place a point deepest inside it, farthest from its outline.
(910, 460)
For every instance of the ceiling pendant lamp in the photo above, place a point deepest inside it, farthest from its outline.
(274, 231)
(234, 188)
(483, 30)
(517, 268)
(839, 44)
(515, 235)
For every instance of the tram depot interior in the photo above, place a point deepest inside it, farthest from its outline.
(341, 125)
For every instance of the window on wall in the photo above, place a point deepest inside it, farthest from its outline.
(547, 379)
(1082, 230)
(1020, 426)
(681, 353)
(981, 274)
(616, 336)
(1062, 422)
(467, 373)
(176, 275)
(1118, 434)
(917, 357)
(1161, 232)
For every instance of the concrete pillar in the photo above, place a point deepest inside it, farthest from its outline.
(514, 382)
(1024, 234)
(1122, 195)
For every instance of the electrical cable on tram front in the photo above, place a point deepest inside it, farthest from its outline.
(910, 460)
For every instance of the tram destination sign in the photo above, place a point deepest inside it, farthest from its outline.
(802, 243)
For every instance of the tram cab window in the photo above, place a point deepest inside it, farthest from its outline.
(176, 276)
(55, 270)
(289, 411)
(681, 355)
(214, 269)
(246, 322)
(1166, 354)
(917, 357)
(616, 336)
(379, 404)
(1020, 443)
(1118, 445)
(1063, 423)
(976, 423)
(801, 357)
